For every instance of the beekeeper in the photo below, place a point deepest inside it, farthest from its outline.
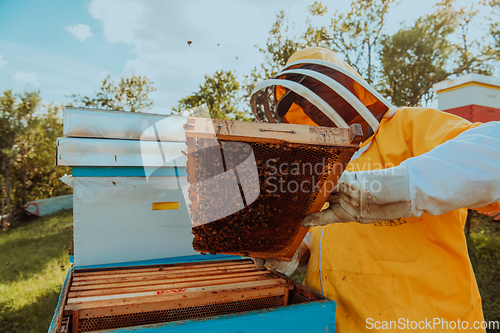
(391, 245)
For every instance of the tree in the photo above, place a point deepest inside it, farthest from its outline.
(416, 57)
(7, 140)
(44, 174)
(470, 55)
(494, 29)
(412, 60)
(28, 150)
(355, 34)
(18, 122)
(26, 129)
(218, 94)
(130, 94)
(278, 49)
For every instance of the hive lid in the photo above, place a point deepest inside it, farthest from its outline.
(251, 184)
(123, 125)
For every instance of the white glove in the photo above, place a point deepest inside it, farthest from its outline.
(366, 197)
(283, 266)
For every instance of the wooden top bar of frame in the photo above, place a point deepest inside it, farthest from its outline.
(124, 297)
(179, 288)
(232, 130)
(220, 264)
(123, 288)
(173, 301)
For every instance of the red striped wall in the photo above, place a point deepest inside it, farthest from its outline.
(476, 113)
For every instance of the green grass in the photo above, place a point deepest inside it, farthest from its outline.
(33, 265)
(299, 275)
(484, 252)
(484, 225)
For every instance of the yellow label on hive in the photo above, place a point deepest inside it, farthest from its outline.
(165, 205)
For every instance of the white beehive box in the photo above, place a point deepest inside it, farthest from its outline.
(122, 163)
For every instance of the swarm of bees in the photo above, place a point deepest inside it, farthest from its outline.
(223, 219)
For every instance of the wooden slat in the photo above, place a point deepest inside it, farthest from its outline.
(164, 268)
(185, 292)
(191, 165)
(65, 325)
(166, 286)
(123, 284)
(162, 272)
(75, 318)
(173, 301)
(268, 133)
(166, 276)
(285, 296)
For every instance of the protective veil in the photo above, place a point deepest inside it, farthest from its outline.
(415, 268)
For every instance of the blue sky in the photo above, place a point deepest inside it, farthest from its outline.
(65, 47)
(33, 40)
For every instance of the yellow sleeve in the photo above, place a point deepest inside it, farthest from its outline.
(426, 128)
(494, 207)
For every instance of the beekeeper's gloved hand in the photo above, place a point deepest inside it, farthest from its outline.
(283, 266)
(366, 197)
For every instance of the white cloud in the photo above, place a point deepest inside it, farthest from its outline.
(158, 31)
(23, 77)
(80, 31)
(119, 18)
(2, 62)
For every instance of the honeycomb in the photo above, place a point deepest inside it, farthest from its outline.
(239, 209)
(210, 309)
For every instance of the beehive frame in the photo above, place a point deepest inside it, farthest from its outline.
(111, 298)
(293, 143)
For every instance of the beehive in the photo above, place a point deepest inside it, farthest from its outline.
(251, 184)
(102, 299)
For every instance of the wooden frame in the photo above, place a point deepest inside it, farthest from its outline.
(113, 292)
(345, 140)
(223, 129)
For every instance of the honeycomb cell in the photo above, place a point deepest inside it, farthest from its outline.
(289, 176)
(210, 309)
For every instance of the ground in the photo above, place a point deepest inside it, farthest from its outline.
(33, 264)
